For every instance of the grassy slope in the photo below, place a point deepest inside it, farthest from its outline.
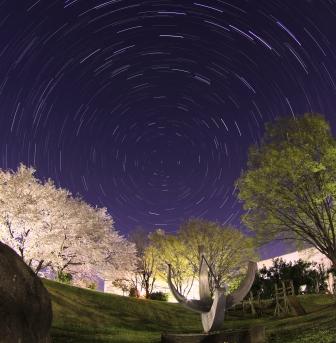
(86, 316)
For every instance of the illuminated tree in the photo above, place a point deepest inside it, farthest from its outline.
(289, 186)
(48, 227)
(147, 261)
(172, 250)
(227, 249)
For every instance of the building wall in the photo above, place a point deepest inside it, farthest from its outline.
(310, 255)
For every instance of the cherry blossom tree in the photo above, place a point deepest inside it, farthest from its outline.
(20, 212)
(49, 228)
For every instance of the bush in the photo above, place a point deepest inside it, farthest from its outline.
(84, 283)
(160, 296)
(92, 285)
(64, 278)
(300, 272)
(134, 293)
(122, 284)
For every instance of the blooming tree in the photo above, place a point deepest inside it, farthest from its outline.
(20, 212)
(48, 227)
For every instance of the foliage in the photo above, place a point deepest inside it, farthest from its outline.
(123, 284)
(49, 228)
(64, 277)
(85, 283)
(134, 293)
(147, 261)
(227, 249)
(92, 285)
(289, 186)
(160, 296)
(300, 272)
(170, 249)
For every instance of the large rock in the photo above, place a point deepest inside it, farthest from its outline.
(25, 306)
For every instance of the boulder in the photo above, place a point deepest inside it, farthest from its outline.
(25, 305)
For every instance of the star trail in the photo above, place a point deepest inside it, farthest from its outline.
(148, 107)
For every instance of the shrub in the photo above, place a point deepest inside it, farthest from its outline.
(300, 272)
(134, 293)
(92, 285)
(84, 283)
(160, 296)
(122, 284)
(64, 278)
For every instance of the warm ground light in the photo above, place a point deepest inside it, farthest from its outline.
(84, 316)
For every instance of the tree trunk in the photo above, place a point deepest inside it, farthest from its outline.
(147, 289)
(39, 267)
(21, 253)
(333, 264)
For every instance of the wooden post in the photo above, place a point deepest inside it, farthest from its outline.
(292, 287)
(277, 310)
(252, 304)
(260, 309)
(317, 286)
(284, 292)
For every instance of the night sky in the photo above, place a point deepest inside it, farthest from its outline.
(148, 107)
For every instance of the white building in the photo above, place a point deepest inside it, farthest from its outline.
(309, 255)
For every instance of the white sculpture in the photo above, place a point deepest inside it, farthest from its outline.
(213, 310)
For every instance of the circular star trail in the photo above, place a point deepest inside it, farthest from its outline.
(148, 107)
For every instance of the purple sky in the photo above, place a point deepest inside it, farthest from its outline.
(148, 107)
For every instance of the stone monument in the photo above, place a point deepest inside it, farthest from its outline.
(213, 310)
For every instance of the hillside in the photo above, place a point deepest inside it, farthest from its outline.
(85, 316)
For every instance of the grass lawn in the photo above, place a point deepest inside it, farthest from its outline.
(85, 316)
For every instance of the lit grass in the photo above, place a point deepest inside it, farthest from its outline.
(85, 316)
(82, 315)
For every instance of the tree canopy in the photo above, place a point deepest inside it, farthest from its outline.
(48, 227)
(227, 250)
(170, 249)
(289, 186)
(299, 272)
(147, 261)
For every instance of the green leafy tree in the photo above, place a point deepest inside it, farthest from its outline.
(289, 187)
(227, 249)
(299, 272)
(172, 250)
(147, 261)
